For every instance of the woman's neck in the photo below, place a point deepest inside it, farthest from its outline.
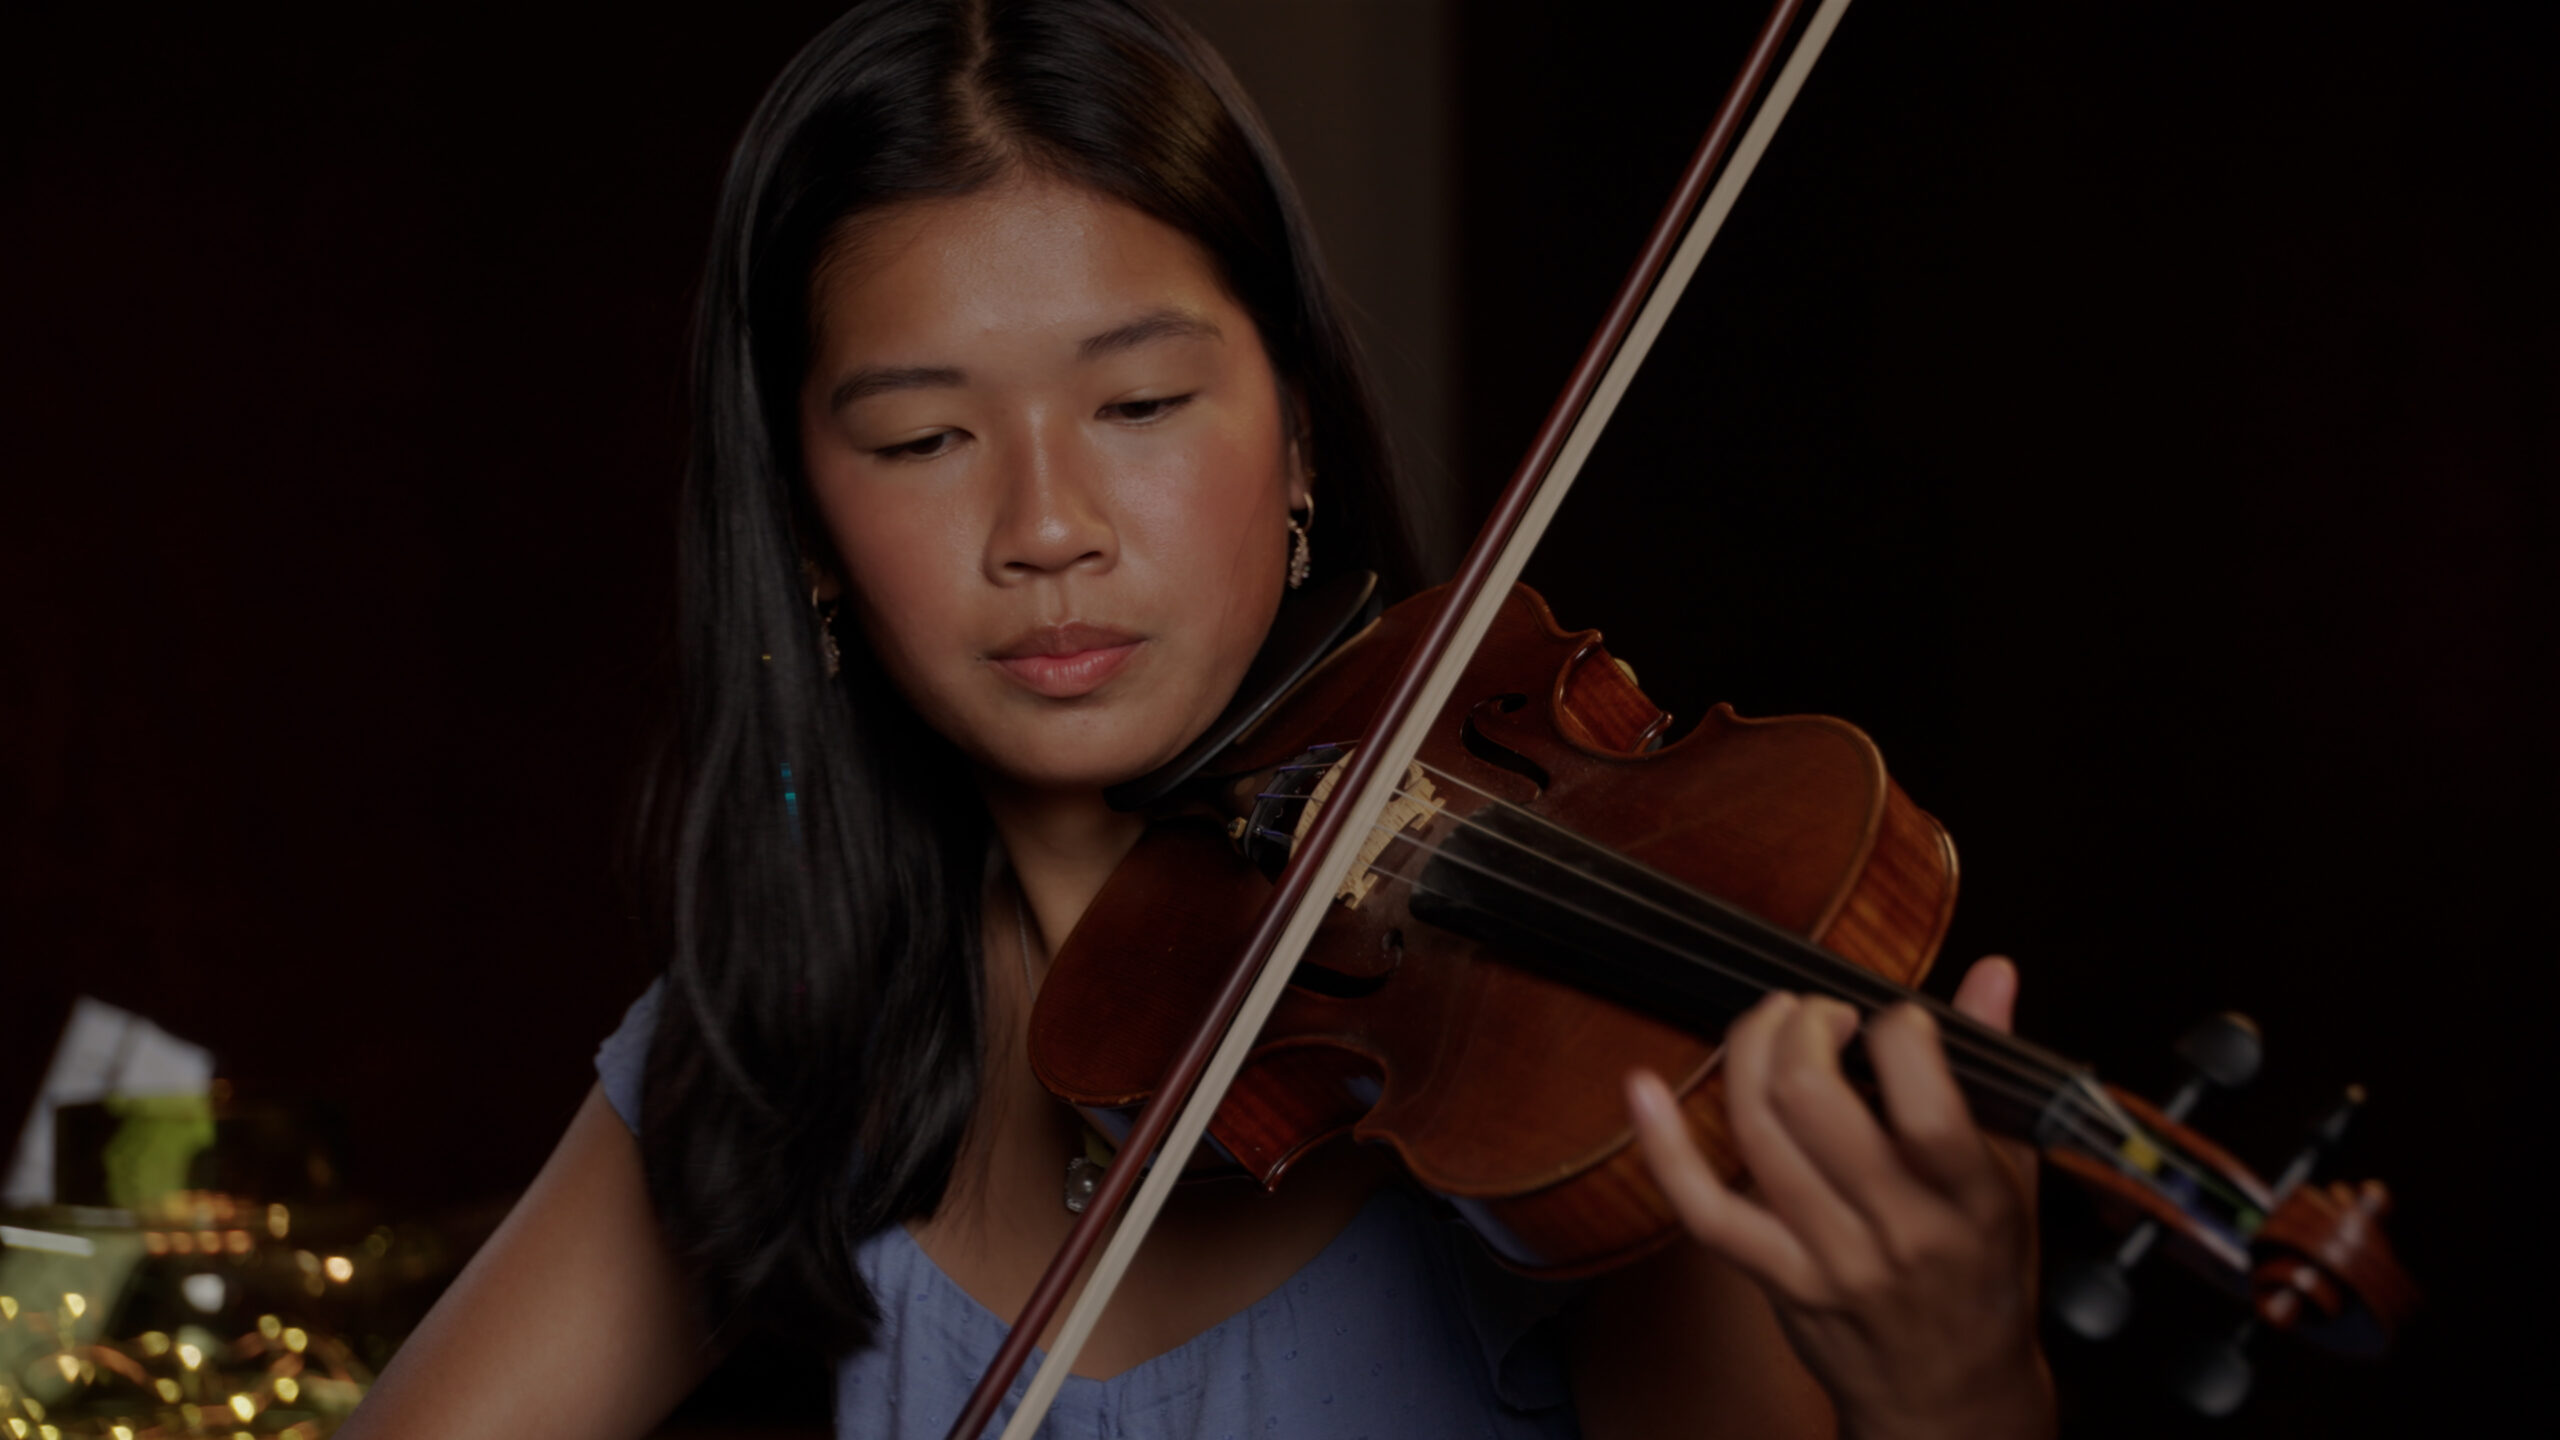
(1063, 846)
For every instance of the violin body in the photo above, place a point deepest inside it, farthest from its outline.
(1431, 1019)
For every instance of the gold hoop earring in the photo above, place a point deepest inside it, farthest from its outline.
(824, 608)
(1301, 555)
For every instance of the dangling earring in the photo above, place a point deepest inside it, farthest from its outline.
(827, 634)
(1300, 557)
(825, 609)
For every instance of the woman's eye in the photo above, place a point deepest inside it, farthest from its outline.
(1142, 411)
(923, 449)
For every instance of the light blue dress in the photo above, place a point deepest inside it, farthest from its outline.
(1401, 1329)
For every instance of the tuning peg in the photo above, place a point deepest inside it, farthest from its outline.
(2094, 1298)
(2213, 1377)
(2324, 1138)
(2221, 1052)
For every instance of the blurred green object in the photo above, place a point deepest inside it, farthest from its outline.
(154, 1146)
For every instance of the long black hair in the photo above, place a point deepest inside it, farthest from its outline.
(820, 853)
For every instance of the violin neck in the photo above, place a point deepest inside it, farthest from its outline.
(1545, 899)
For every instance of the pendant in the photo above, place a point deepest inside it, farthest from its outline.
(1083, 1178)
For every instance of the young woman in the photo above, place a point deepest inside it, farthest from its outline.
(1018, 387)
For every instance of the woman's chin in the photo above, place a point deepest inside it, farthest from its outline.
(1068, 768)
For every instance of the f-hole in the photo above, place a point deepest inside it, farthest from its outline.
(1493, 752)
(1344, 986)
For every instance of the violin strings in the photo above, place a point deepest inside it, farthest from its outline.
(1991, 1081)
(1827, 971)
(1959, 1036)
(2076, 1100)
(2080, 1092)
(1963, 1032)
(2086, 1117)
(1964, 1037)
(2007, 1086)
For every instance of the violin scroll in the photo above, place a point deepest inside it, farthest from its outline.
(2308, 1259)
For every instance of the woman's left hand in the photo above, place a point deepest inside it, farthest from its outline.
(1900, 1256)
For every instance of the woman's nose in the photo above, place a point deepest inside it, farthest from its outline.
(1050, 515)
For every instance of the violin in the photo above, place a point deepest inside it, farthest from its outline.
(1441, 885)
(1554, 897)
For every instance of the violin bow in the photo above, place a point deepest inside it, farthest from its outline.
(1173, 1122)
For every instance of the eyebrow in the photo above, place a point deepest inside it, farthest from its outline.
(1158, 325)
(863, 384)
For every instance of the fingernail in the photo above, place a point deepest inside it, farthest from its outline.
(1645, 1094)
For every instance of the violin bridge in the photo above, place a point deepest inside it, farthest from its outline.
(1416, 805)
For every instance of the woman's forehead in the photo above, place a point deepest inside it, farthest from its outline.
(1029, 260)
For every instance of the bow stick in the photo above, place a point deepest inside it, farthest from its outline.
(1173, 1122)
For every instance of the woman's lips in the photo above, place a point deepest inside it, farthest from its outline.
(1065, 661)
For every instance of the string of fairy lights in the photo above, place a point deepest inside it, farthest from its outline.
(242, 1341)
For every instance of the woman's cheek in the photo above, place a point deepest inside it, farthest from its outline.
(1212, 501)
(900, 578)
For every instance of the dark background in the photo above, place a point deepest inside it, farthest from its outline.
(2139, 418)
